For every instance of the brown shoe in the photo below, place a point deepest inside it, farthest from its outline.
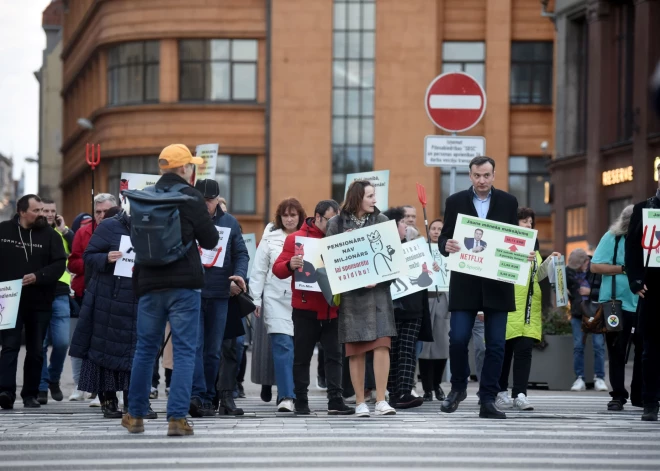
(132, 424)
(179, 428)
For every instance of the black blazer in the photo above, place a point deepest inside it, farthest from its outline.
(636, 255)
(469, 243)
(469, 292)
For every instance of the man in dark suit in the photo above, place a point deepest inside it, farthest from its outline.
(476, 244)
(469, 294)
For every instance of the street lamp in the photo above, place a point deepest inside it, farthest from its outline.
(31, 160)
(85, 124)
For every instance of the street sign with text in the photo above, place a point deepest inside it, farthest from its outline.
(452, 151)
(455, 102)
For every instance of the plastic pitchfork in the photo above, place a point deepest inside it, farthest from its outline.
(650, 248)
(93, 160)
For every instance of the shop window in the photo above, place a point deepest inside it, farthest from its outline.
(465, 56)
(133, 73)
(218, 70)
(527, 182)
(237, 178)
(531, 72)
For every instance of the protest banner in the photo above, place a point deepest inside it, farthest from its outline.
(421, 275)
(216, 256)
(363, 257)
(559, 276)
(208, 152)
(491, 249)
(441, 277)
(251, 244)
(651, 218)
(134, 181)
(305, 276)
(10, 299)
(380, 179)
(124, 265)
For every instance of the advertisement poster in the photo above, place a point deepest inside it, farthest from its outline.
(421, 274)
(134, 181)
(216, 256)
(363, 257)
(441, 277)
(10, 298)
(379, 179)
(208, 152)
(650, 218)
(251, 244)
(559, 275)
(305, 277)
(124, 266)
(493, 250)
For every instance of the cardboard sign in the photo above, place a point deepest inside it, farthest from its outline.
(442, 277)
(251, 244)
(305, 277)
(134, 181)
(208, 152)
(421, 275)
(10, 299)
(124, 265)
(380, 180)
(650, 219)
(559, 276)
(216, 256)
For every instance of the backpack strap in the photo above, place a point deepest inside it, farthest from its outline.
(616, 249)
(177, 187)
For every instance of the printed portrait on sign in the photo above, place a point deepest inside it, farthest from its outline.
(476, 244)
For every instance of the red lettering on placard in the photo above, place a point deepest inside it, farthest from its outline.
(514, 241)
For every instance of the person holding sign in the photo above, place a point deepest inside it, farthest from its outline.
(469, 294)
(313, 319)
(30, 250)
(366, 315)
(229, 263)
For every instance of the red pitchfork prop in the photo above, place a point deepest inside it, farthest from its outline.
(421, 194)
(650, 248)
(93, 160)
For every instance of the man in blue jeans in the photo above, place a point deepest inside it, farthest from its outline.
(469, 294)
(58, 331)
(171, 293)
(229, 264)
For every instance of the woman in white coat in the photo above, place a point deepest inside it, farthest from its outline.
(272, 296)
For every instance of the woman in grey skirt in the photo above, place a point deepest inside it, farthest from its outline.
(433, 359)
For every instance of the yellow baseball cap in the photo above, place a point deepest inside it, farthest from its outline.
(177, 155)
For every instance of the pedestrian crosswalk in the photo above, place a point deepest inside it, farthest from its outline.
(565, 431)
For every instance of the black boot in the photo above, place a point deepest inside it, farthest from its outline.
(489, 411)
(32, 403)
(43, 398)
(110, 410)
(451, 402)
(301, 405)
(55, 391)
(227, 405)
(428, 396)
(266, 393)
(336, 406)
(439, 394)
(650, 413)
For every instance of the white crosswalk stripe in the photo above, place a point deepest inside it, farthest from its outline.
(566, 431)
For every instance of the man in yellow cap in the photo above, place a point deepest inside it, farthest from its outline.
(171, 293)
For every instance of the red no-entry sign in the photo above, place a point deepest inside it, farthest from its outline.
(455, 101)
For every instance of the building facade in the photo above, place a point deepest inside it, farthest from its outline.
(50, 104)
(7, 189)
(298, 93)
(607, 135)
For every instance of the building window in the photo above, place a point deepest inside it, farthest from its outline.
(531, 73)
(625, 76)
(133, 73)
(237, 178)
(615, 207)
(576, 229)
(144, 165)
(354, 31)
(527, 177)
(218, 70)
(464, 56)
(463, 182)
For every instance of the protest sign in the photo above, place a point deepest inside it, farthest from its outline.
(124, 265)
(216, 256)
(10, 299)
(208, 152)
(380, 180)
(651, 218)
(251, 244)
(559, 276)
(491, 249)
(421, 275)
(363, 257)
(305, 277)
(442, 276)
(134, 181)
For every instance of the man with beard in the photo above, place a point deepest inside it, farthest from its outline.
(57, 333)
(32, 251)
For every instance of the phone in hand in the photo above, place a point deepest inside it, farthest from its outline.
(58, 220)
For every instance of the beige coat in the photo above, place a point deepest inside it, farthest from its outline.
(168, 353)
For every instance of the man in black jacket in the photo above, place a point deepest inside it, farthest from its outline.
(32, 251)
(469, 294)
(171, 293)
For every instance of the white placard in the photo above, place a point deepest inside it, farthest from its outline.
(216, 256)
(421, 275)
(10, 299)
(442, 277)
(208, 152)
(380, 179)
(650, 219)
(452, 151)
(251, 244)
(559, 275)
(305, 277)
(124, 265)
(134, 181)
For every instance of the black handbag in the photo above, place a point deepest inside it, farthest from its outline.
(245, 303)
(613, 309)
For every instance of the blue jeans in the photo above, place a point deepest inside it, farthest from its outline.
(282, 345)
(212, 321)
(461, 325)
(578, 351)
(57, 335)
(181, 307)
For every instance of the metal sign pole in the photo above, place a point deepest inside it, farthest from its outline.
(452, 176)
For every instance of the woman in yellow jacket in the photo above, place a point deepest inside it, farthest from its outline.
(523, 328)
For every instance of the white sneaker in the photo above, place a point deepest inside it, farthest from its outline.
(414, 393)
(77, 395)
(522, 403)
(95, 402)
(383, 408)
(503, 400)
(579, 385)
(121, 400)
(362, 410)
(285, 406)
(350, 400)
(599, 385)
(167, 392)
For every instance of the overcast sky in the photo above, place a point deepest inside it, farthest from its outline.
(21, 45)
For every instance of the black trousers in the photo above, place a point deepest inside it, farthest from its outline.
(241, 371)
(431, 372)
(321, 362)
(617, 343)
(228, 366)
(519, 351)
(307, 330)
(403, 359)
(650, 330)
(36, 323)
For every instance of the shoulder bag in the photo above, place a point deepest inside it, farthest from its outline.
(612, 309)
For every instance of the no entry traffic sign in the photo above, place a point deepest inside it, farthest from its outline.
(455, 101)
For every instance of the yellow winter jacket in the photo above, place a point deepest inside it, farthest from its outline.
(516, 326)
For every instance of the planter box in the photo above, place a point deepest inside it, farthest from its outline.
(553, 366)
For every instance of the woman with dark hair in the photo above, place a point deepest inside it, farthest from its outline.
(523, 328)
(366, 315)
(272, 297)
